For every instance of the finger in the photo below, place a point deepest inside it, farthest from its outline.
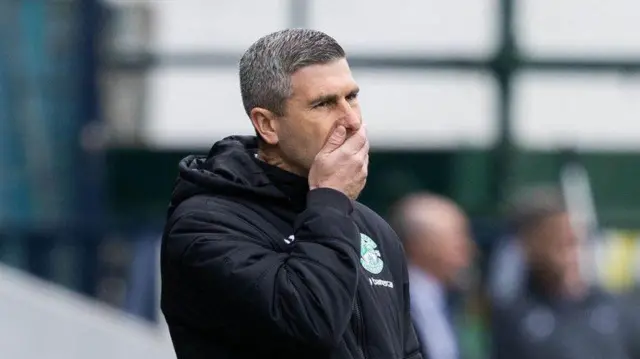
(357, 141)
(364, 150)
(365, 165)
(336, 139)
(363, 157)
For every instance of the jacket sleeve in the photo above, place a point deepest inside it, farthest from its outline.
(303, 297)
(502, 334)
(412, 347)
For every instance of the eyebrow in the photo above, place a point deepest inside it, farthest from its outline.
(323, 99)
(332, 97)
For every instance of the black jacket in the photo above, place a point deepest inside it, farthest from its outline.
(532, 324)
(254, 265)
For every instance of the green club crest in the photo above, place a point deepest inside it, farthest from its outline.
(369, 255)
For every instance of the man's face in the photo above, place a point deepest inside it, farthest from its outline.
(452, 251)
(553, 247)
(323, 96)
(446, 247)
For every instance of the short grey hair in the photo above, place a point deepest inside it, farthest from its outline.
(530, 205)
(266, 67)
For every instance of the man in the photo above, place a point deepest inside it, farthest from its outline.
(266, 253)
(435, 232)
(556, 314)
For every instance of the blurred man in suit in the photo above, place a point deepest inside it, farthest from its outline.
(436, 236)
(555, 313)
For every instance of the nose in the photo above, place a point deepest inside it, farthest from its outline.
(350, 116)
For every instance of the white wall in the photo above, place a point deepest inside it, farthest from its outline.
(598, 111)
(193, 107)
(189, 107)
(40, 320)
(462, 27)
(579, 28)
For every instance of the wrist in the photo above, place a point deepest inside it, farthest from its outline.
(329, 197)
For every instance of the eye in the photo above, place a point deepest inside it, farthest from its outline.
(322, 104)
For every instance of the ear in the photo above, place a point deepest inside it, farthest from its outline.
(265, 124)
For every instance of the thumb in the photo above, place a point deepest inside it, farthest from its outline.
(335, 140)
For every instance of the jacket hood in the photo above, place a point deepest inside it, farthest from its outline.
(230, 169)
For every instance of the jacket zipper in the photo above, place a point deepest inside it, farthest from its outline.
(359, 328)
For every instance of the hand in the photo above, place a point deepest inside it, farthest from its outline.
(342, 163)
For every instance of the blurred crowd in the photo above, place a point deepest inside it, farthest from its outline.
(537, 299)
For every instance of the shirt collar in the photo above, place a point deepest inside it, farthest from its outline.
(425, 284)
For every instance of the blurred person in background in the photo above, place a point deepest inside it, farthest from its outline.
(266, 252)
(436, 236)
(506, 269)
(555, 313)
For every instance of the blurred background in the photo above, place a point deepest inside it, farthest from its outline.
(99, 100)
